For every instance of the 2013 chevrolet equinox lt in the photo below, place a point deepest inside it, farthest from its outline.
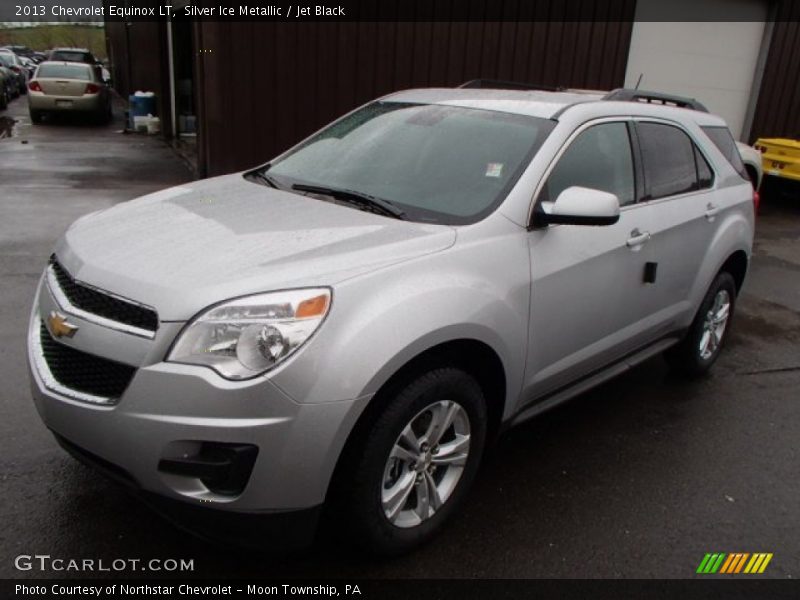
(348, 325)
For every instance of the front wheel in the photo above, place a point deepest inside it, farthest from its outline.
(700, 349)
(415, 464)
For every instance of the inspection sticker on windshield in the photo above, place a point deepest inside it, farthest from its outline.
(494, 169)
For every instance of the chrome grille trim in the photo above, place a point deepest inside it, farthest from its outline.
(50, 382)
(67, 306)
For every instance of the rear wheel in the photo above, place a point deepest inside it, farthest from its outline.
(415, 464)
(700, 349)
(36, 116)
(3, 99)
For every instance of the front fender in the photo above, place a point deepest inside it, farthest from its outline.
(380, 321)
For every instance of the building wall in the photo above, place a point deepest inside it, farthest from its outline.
(266, 86)
(777, 112)
(137, 53)
(712, 61)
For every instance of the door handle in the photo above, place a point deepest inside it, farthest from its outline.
(637, 238)
(712, 210)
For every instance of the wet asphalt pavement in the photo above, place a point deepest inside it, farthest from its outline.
(638, 478)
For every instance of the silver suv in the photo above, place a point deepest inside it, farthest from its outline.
(350, 324)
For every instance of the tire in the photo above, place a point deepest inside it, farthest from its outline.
(701, 347)
(362, 493)
(36, 116)
(3, 99)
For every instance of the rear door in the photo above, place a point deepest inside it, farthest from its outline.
(686, 211)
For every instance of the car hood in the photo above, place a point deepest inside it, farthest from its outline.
(184, 248)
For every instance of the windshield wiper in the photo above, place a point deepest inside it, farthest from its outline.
(353, 196)
(261, 177)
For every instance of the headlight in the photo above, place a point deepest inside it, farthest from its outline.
(248, 336)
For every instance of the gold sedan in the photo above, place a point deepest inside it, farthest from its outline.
(69, 87)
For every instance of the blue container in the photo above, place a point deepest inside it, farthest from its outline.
(140, 106)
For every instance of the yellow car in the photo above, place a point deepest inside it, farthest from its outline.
(780, 157)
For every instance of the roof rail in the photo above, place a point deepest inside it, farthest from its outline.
(628, 95)
(496, 84)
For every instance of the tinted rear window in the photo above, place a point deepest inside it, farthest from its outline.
(669, 160)
(65, 72)
(722, 138)
(71, 56)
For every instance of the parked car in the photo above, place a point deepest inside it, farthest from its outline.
(19, 50)
(349, 324)
(780, 159)
(68, 87)
(751, 158)
(10, 83)
(11, 61)
(5, 88)
(73, 55)
(29, 65)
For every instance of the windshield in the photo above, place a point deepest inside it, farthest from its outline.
(442, 164)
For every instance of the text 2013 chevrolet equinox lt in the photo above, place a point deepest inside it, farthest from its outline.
(347, 326)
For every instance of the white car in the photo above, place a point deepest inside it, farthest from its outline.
(752, 163)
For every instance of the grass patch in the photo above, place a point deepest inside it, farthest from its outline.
(45, 37)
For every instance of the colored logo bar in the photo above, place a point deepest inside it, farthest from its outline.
(736, 562)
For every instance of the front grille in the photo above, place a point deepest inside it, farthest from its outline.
(103, 305)
(84, 372)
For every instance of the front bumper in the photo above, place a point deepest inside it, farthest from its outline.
(284, 531)
(169, 410)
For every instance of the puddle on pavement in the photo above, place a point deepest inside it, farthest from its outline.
(7, 127)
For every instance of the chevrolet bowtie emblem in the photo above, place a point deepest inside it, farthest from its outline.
(58, 325)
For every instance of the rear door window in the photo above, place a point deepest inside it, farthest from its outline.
(723, 139)
(668, 157)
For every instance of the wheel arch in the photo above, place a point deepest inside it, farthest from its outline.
(474, 356)
(752, 172)
(736, 264)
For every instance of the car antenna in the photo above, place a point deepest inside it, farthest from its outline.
(638, 81)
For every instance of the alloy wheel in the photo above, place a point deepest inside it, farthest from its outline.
(714, 325)
(425, 463)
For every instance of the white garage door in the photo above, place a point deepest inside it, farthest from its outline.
(713, 62)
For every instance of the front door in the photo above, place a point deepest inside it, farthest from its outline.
(588, 295)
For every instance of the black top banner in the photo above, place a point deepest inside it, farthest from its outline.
(16, 12)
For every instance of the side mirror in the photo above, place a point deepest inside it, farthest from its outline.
(579, 206)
